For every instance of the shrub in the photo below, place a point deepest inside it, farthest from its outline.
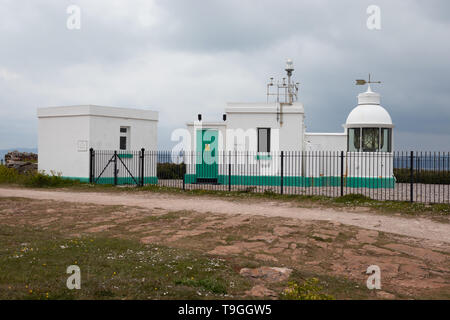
(36, 179)
(40, 180)
(171, 170)
(9, 175)
(403, 175)
(309, 290)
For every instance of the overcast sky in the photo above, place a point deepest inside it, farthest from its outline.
(183, 57)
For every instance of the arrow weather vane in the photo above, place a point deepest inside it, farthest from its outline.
(363, 82)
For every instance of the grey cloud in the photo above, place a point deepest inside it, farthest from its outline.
(197, 55)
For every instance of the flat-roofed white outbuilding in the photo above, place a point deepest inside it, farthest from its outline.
(66, 135)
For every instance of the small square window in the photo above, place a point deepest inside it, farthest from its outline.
(123, 130)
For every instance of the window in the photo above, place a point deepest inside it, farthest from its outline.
(124, 143)
(385, 140)
(263, 139)
(354, 139)
(370, 139)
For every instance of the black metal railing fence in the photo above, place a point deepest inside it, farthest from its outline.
(399, 176)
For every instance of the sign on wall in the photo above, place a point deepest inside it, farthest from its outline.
(82, 146)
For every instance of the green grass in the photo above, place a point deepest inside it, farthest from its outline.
(34, 180)
(33, 266)
(310, 289)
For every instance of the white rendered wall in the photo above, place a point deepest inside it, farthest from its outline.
(287, 136)
(58, 146)
(326, 141)
(105, 133)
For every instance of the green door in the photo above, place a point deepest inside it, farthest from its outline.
(207, 154)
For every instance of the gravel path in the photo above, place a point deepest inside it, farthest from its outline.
(413, 227)
(425, 193)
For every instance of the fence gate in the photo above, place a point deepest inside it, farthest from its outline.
(117, 167)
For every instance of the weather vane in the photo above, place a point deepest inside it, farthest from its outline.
(363, 82)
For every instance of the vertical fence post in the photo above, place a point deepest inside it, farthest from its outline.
(142, 173)
(91, 165)
(412, 177)
(342, 173)
(229, 171)
(115, 167)
(282, 172)
(184, 170)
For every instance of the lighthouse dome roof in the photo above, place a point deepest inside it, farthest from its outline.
(369, 112)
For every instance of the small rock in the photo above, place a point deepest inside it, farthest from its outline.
(265, 257)
(225, 250)
(150, 239)
(269, 238)
(260, 292)
(283, 231)
(269, 274)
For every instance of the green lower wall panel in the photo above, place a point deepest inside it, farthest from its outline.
(289, 181)
(190, 178)
(120, 180)
(84, 180)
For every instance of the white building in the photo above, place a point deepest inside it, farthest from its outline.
(252, 137)
(66, 135)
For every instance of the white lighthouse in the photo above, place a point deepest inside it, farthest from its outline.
(369, 125)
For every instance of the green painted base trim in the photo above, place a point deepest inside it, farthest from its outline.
(83, 180)
(290, 181)
(190, 178)
(120, 180)
(263, 157)
(125, 156)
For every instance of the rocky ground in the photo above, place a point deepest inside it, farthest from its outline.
(267, 250)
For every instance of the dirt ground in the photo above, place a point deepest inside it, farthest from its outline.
(418, 227)
(412, 253)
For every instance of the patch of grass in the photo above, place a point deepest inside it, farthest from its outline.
(332, 286)
(310, 289)
(33, 265)
(35, 180)
(173, 215)
(40, 180)
(353, 199)
(233, 238)
(214, 285)
(322, 239)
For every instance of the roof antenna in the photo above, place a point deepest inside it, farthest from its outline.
(289, 89)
